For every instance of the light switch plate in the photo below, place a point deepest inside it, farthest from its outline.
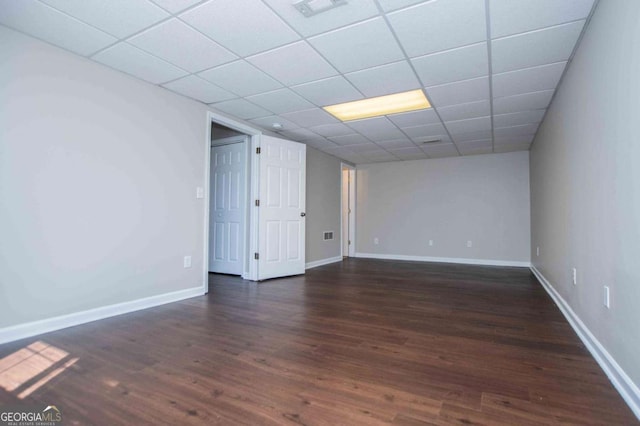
(199, 192)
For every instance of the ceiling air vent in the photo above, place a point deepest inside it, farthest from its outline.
(328, 235)
(428, 141)
(310, 8)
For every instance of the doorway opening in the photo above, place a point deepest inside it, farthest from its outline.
(348, 209)
(229, 187)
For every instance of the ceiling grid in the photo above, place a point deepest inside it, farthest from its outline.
(489, 68)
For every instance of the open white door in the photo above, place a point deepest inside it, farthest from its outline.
(282, 208)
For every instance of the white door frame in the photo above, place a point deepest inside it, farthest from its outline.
(352, 216)
(250, 271)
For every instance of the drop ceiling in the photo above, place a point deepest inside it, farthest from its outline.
(488, 67)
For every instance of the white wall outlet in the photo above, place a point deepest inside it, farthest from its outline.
(607, 297)
(431, 243)
(469, 243)
(376, 241)
(574, 275)
(537, 251)
(199, 192)
(187, 262)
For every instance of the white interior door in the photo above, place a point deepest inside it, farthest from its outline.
(281, 232)
(226, 212)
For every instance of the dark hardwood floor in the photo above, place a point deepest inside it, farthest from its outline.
(359, 342)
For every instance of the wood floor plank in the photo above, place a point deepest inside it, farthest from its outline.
(358, 342)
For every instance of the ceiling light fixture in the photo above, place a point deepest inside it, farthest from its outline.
(381, 105)
(310, 8)
(277, 126)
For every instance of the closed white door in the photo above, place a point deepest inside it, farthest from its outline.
(281, 236)
(226, 212)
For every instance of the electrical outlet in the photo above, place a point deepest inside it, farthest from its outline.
(187, 262)
(469, 243)
(607, 297)
(431, 243)
(199, 192)
(574, 274)
(376, 241)
(537, 251)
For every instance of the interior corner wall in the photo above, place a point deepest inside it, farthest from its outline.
(323, 206)
(98, 172)
(585, 184)
(450, 201)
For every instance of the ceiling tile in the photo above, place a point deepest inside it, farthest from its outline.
(441, 150)
(310, 117)
(300, 134)
(338, 150)
(385, 79)
(538, 47)
(463, 63)
(473, 136)
(349, 140)
(376, 129)
(241, 78)
(512, 147)
(280, 101)
(336, 129)
(359, 46)
(224, 21)
(183, 46)
(464, 111)
(439, 25)
(307, 26)
(482, 143)
(524, 102)
(415, 118)
(510, 140)
(320, 143)
(389, 5)
(120, 18)
(380, 155)
(511, 17)
(267, 123)
(175, 6)
(396, 143)
(199, 89)
(293, 64)
(526, 129)
(134, 61)
(518, 118)
(475, 150)
(483, 146)
(46, 23)
(469, 125)
(365, 147)
(329, 91)
(460, 92)
(242, 109)
(426, 131)
(534, 79)
(400, 152)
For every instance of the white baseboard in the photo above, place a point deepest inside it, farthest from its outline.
(321, 262)
(485, 262)
(21, 331)
(621, 381)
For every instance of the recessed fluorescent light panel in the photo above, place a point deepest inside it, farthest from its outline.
(381, 105)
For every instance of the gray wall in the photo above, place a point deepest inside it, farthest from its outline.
(98, 173)
(483, 198)
(585, 183)
(323, 205)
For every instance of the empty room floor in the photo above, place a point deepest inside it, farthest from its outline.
(358, 342)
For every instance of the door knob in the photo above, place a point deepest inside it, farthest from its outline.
(303, 214)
